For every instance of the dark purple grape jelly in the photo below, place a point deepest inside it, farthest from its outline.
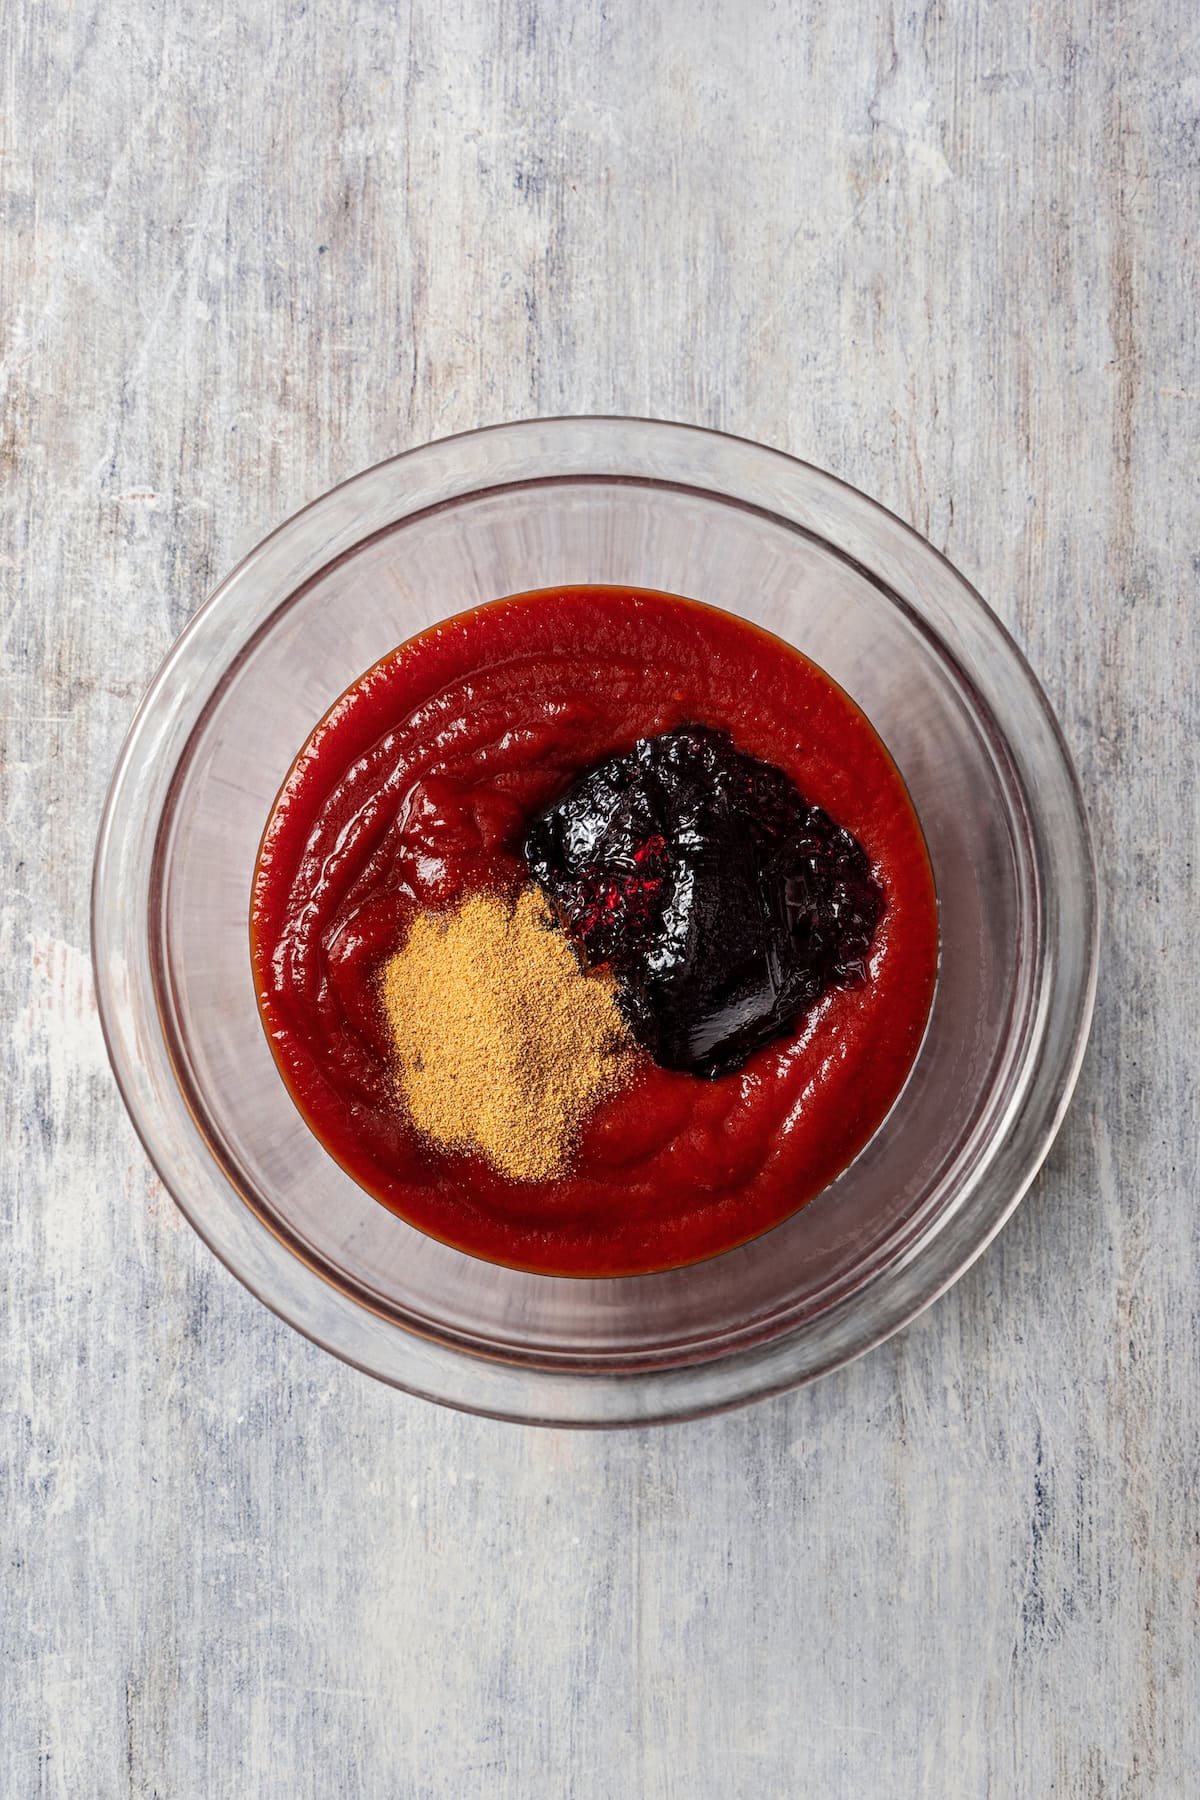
(723, 902)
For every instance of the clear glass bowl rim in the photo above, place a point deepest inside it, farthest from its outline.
(442, 1371)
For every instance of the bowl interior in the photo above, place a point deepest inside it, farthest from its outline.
(688, 540)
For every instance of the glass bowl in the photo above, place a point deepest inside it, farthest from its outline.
(612, 501)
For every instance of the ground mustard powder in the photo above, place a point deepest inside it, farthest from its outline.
(504, 1045)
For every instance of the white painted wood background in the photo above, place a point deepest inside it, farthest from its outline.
(948, 252)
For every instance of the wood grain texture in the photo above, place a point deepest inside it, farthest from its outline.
(947, 252)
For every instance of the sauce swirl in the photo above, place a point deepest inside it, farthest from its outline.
(417, 788)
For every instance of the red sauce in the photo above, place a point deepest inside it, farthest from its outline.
(417, 787)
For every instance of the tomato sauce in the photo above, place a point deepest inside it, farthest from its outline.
(417, 787)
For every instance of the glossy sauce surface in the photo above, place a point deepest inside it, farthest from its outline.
(418, 787)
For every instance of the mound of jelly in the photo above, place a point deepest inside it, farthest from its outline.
(723, 902)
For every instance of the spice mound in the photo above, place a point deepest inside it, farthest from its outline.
(504, 1045)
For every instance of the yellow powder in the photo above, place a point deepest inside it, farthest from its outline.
(503, 1044)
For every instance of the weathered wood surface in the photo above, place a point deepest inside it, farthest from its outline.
(949, 253)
